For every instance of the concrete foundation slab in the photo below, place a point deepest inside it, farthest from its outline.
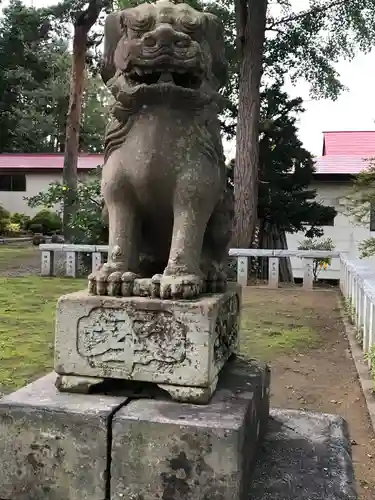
(305, 456)
(167, 342)
(163, 450)
(54, 446)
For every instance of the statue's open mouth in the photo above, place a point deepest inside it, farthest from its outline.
(178, 77)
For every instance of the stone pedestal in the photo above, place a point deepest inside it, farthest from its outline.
(171, 451)
(54, 446)
(179, 345)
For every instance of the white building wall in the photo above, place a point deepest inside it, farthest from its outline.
(35, 183)
(345, 234)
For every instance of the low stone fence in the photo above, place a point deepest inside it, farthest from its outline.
(357, 283)
(72, 253)
(242, 255)
(9, 241)
(273, 256)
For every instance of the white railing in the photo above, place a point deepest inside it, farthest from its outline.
(357, 283)
(242, 255)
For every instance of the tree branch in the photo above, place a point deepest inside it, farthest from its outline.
(305, 13)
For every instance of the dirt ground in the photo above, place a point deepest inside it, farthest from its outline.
(320, 375)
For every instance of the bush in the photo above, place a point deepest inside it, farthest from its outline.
(45, 222)
(36, 228)
(22, 219)
(12, 229)
(318, 244)
(88, 223)
(4, 219)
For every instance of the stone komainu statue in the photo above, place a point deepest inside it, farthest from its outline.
(164, 178)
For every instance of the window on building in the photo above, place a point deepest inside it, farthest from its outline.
(372, 217)
(327, 222)
(12, 182)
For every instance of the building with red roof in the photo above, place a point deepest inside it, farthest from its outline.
(25, 175)
(344, 154)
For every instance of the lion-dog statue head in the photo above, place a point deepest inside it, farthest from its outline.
(163, 49)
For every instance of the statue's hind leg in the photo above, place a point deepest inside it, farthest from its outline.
(216, 243)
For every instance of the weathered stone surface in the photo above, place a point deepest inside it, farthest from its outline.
(183, 343)
(169, 451)
(164, 180)
(53, 446)
(306, 456)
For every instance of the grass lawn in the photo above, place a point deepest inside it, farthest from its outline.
(27, 315)
(277, 322)
(9, 254)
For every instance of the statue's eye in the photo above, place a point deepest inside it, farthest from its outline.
(189, 24)
(142, 24)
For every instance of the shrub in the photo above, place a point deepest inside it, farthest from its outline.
(22, 219)
(36, 228)
(318, 244)
(4, 219)
(48, 221)
(12, 229)
(88, 221)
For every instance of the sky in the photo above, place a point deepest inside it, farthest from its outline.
(353, 110)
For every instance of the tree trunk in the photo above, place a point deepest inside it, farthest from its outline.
(83, 23)
(251, 21)
(72, 127)
(272, 238)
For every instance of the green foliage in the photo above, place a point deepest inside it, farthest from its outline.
(370, 356)
(307, 44)
(350, 310)
(45, 221)
(286, 169)
(4, 219)
(34, 85)
(12, 229)
(22, 220)
(360, 202)
(285, 202)
(318, 244)
(87, 221)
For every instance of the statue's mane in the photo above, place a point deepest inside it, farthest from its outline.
(207, 130)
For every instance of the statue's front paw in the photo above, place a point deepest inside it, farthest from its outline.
(108, 281)
(188, 286)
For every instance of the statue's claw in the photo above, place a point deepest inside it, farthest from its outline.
(111, 282)
(180, 287)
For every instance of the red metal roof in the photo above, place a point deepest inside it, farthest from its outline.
(47, 161)
(352, 143)
(343, 164)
